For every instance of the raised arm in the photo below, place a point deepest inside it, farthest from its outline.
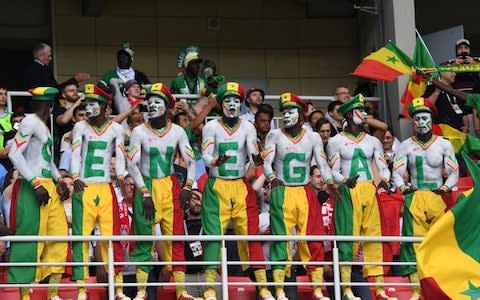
(321, 158)
(188, 155)
(451, 166)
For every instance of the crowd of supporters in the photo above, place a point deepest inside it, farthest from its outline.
(127, 85)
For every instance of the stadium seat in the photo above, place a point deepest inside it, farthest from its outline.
(401, 292)
(464, 184)
(246, 292)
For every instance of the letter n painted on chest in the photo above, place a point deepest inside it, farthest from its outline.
(159, 161)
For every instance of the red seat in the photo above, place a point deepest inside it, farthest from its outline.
(246, 292)
(464, 184)
(401, 292)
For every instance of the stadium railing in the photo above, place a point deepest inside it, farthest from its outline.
(223, 259)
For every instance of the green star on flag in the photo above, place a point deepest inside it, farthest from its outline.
(473, 292)
(96, 200)
(392, 59)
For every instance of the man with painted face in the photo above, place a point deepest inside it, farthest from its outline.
(159, 196)
(350, 155)
(228, 196)
(288, 156)
(427, 158)
(93, 143)
(38, 210)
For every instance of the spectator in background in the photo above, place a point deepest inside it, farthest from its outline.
(194, 249)
(133, 121)
(334, 117)
(310, 109)
(17, 117)
(6, 128)
(64, 107)
(390, 146)
(313, 117)
(189, 81)
(468, 82)
(117, 79)
(79, 114)
(263, 123)
(324, 128)
(133, 90)
(40, 72)
(465, 81)
(342, 94)
(253, 99)
(450, 110)
(9, 181)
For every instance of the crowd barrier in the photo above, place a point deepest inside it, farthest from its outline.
(225, 283)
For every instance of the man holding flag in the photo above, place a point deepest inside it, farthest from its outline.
(427, 158)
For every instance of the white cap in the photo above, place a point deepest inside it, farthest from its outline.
(462, 41)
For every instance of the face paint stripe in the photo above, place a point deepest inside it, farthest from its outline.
(295, 139)
(160, 132)
(425, 145)
(356, 139)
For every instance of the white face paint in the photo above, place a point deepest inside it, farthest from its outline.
(358, 117)
(290, 117)
(231, 106)
(92, 109)
(422, 122)
(156, 107)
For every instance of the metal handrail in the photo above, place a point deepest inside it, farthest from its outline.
(224, 263)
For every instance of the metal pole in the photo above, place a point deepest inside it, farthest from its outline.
(336, 271)
(111, 272)
(224, 272)
(51, 133)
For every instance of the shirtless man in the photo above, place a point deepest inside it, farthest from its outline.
(38, 210)
(93, 143)
(427, 157)
(158, 197)
(351, 154)
(227, 144)
(293, 203)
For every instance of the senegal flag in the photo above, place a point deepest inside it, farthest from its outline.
(448, 259)
(387, 63)
(462, 142)
(416, 85)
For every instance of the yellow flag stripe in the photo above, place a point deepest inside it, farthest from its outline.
(390, 59)
(439, 256)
